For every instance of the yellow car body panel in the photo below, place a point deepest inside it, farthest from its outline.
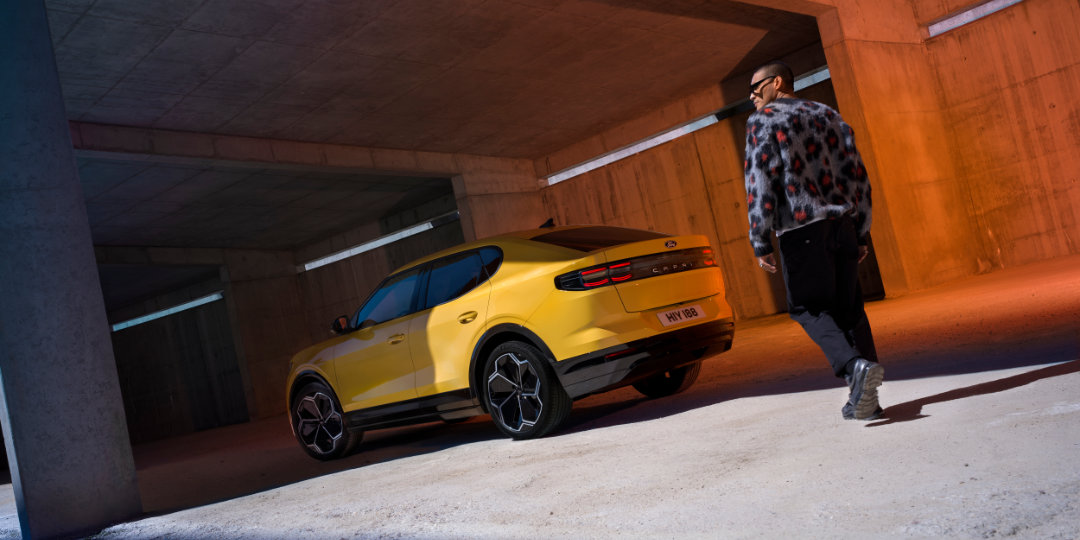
(439, 338)
(374, 365)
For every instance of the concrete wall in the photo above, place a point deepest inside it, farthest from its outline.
(969, 158)
(180, 373)
(1009, 85)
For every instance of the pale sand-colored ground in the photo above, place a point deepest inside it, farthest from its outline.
(981, 439)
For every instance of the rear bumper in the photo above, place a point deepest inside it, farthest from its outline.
(627, 363)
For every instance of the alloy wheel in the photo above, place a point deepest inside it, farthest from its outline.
(513, 389)
(318, 424)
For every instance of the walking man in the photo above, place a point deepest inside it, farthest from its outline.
(806, 183)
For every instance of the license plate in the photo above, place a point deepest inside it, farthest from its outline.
(681, 315)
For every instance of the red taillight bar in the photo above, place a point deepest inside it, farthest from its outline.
(638, 268)
(621, 267)
(596, 283)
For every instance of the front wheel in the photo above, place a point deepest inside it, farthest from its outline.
(669, 382)
(320, 425)
(522, 393)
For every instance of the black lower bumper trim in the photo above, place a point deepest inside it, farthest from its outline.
(627, 363)
(446, 406)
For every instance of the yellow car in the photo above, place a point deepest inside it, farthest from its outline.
(516, 326)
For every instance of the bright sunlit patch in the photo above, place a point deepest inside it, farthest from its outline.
(968, 15)
(382, 241)
(803, 81)
(170, 311)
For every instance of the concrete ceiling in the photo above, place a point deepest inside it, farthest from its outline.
(134, 202)
(507, 78)
(512, 78)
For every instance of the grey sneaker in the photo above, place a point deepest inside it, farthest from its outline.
(865, 379)
(849, 413)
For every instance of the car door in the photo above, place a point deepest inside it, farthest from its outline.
(455, 302)
(373, 364)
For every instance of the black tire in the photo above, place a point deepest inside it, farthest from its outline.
(669, 382)
(319, 423)
(522, 392)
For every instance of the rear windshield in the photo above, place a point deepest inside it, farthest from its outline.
(593, 238)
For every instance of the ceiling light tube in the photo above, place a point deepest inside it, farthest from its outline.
(169, 311)
(382, 241)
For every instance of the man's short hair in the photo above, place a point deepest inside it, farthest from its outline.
(777, 68)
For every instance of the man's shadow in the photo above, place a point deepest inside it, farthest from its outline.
(912, 410)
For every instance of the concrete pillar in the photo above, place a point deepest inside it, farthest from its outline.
(497, 195)
(888, 90)
(63, 419)
(268, 320)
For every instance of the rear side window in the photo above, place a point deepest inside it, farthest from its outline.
(594, 238)
(454, 276)
(493, 258)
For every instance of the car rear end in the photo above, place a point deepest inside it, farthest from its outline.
(634, 304)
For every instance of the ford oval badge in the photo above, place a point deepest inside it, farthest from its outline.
(670, 244)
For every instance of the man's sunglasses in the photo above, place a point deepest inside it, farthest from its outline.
(754, 86)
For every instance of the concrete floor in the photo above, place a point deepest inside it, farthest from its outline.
(976, 371)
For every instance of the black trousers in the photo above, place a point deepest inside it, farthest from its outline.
(821, 272)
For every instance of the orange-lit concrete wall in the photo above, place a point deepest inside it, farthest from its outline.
(1009, 86)
(966, 133)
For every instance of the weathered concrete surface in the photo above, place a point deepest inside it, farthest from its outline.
(63, 421)
(981, 438)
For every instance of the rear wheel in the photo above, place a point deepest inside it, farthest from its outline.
(320, 425)
(522, 393)
(669, 382)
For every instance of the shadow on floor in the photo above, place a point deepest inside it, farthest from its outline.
(912, 410)
(976, 356)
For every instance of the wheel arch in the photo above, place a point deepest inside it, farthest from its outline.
(493, 337)
(305, 377)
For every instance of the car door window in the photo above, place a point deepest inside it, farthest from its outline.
(454, 276)
(393, 299)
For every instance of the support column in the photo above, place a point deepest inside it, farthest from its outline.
(63, 419)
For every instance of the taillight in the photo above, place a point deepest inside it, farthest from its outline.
(647, 266)
(594, 278)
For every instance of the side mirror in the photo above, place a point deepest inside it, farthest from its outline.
(340, 325)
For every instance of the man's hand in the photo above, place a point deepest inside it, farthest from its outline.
(767, 263)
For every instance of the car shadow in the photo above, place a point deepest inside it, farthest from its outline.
(241, 460)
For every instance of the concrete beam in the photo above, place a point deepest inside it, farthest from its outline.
(158, 144)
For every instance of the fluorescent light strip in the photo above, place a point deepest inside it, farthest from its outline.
(382, 241)
(968, 15)
(635, 148)
(170, 311)
(809, 79)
